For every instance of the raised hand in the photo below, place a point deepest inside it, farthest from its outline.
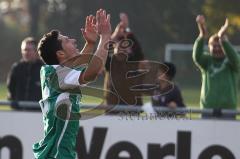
(223, 29)
(201, 25)
(89, 32)
(121, 27)
(119, 31)
(103, 25)
(124, 19)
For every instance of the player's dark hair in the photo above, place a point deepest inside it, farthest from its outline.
(171, 71)
(48, 47)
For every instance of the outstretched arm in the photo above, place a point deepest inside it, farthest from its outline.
(199, 58)
(103, 28)
(201, 22)
(229, 51)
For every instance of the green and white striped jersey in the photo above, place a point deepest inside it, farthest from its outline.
(60, 86)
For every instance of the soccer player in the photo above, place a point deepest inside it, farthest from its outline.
(59, 81)
(219, 68)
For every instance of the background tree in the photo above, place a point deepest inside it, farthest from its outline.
(155, 23)
(216, 12)
(34, 7)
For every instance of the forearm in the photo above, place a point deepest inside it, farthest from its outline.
(114, 36)
(199, 58)
(97, 62)
(230, 53)
(198, 49)
(88, 48)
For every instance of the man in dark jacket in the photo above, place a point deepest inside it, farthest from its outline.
(23, 80)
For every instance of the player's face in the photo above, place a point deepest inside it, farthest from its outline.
(69, 46)
(216, 49)
(28, 51)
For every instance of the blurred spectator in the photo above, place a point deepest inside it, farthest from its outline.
(167, 94)
(220, 68)
(126, 48)
(23, 80)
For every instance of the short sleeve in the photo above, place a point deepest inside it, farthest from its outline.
(68, 78)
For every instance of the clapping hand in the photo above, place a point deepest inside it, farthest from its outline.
(103, 26)
(89, 32)
(201, 25)
(223, 29)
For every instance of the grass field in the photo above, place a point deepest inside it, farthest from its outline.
(190, 95)
(191, 98)
(86, 99)
(3, 92)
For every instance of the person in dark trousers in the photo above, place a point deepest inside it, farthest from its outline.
(23, 81)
